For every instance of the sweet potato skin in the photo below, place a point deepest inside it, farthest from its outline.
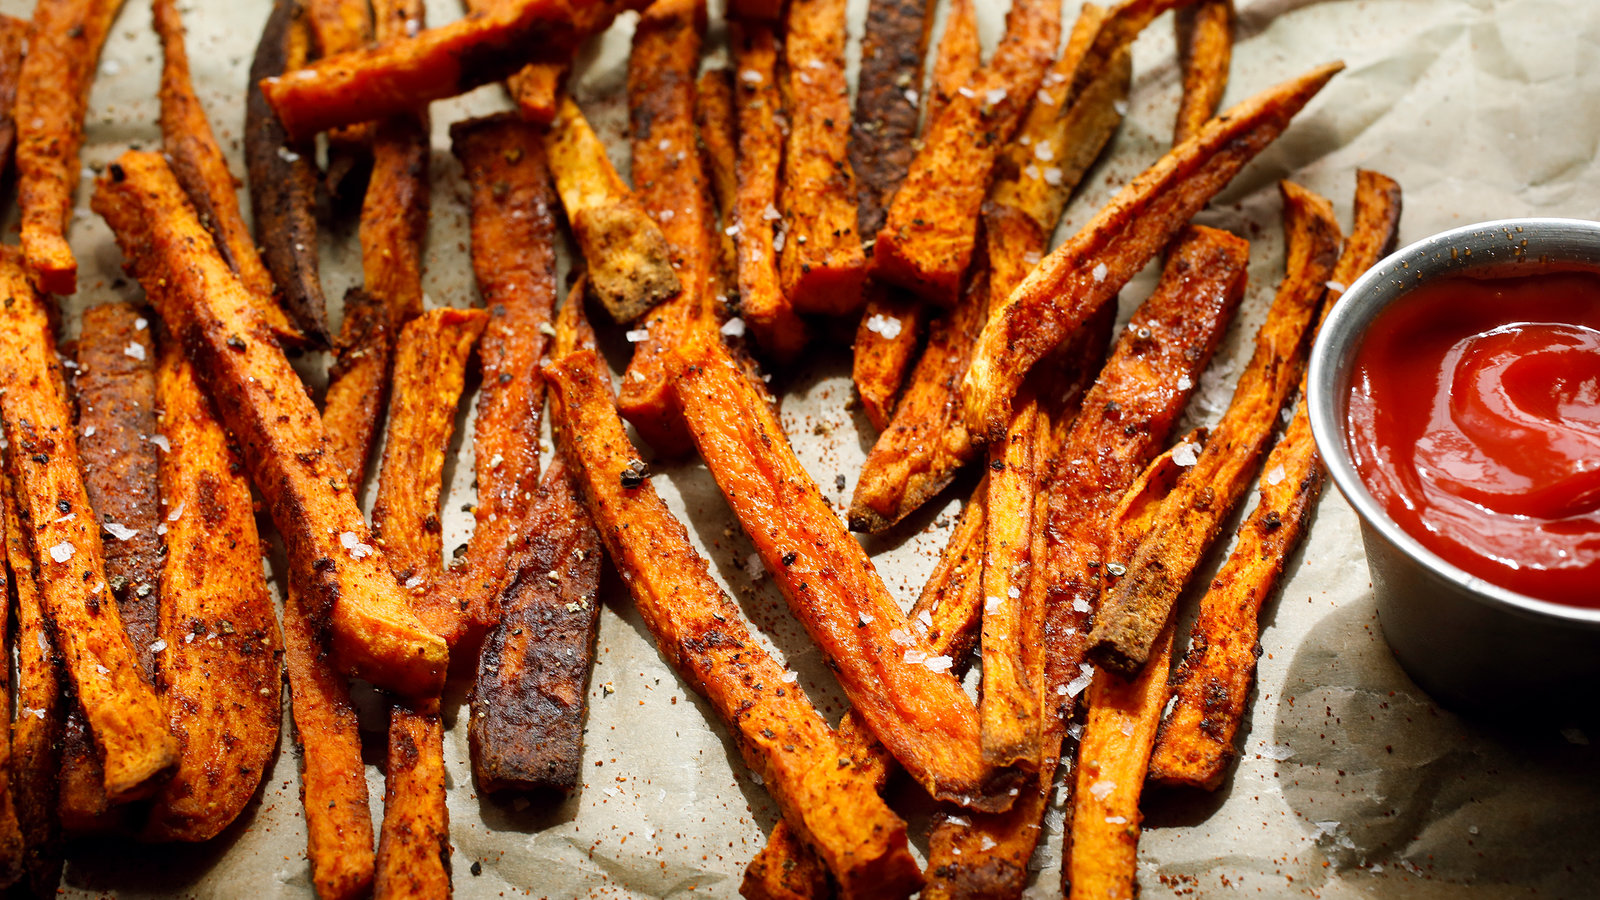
(219, 671)
(1205, 50)
(118, 702)
(1080, 274)
(283, 177)
(626, 255)
(701, 633)
(13, 37)
(260, 400)
(52, 98)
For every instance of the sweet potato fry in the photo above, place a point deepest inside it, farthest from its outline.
(219, 675)
(339, 26)
(260, 400)
(932, 228)
(959, 58)
(283, 177)
(702, 634)
(52, 98)
(414, 844)
(1091, 267)
(820, 261)
(118, 702)
(1124, 419)
(13, 846)
(715, 116)
(429, 374)
(887, 338)
(1205, 50)
(526, 732)
(358, 383)
(36, 728)
(893, 678)
(1134, 614)
(671, 181)
(403, 74)
(627, 258)
(13, 39)
(394, 212)
(197, 161)
(1212, 685)
(513, 257)
(762, 302)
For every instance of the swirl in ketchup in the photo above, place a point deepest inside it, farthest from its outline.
(1475, 422)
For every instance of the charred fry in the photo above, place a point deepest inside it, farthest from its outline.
(1205, 50)
(1134, 614)
(402, 74)
(701, 633)
(260, 400)
(118, 702)
(13, 38)
(283, 177)
(627, 258)
(820, 261)
(1212, 684)
(1091, 267)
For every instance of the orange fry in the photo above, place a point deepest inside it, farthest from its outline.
(13, 839)
(1205, 50)
(13, 38)
(1091, 267)
(535, 88)
(702, 634)
(394, 212)
(959, 59)
(1134, 614)
(52, 98)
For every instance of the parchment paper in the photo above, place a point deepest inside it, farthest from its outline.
(1353, 783)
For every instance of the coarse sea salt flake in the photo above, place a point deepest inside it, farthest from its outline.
(750, 76)
(160, 440)
(991, 604)
(1186, 454)
(888, 326)
(1335, 286)
(1099, 273)
(141, 324)
(1043, 152)
(638, 335)
(967, 92)
(413, 582)
(1279, 752)
(1085, 675)
(1184, 383)
(1121, 106)
(734, 327)
(915, 656)
(158, 646)
(791, 677)
(1276, 476)
(939, 663)
(899, 636)
(1102, 789)
(134, 350)
(1052, 176)
(912, 97)
(926, 618)
(1014, 592)
(1081, 605)
(994, 95)
(62, 551)
(176, 514)
(1116, 820)
(89, 432)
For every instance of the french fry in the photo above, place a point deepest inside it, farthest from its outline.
(429, 374)
(627, 257)
(260, 400)
(197, 162)
(219, 672)
(13, 39)
(1212, 685)
(13, 840)
(513, 257)
(283, 177)
(1168, 342)
(403, 74)
(52, 98)
(1101, 859)
(121, 708)
(526, 732)
(339, 26)
(917, 710)
(927, 242)
(671, 181)
(1091, 267)
(1133, 615)
(763, 304)
(1205, 50)
(820, 262)
(715, 116)
(394, 212)
(414, 843)
(887, 338)
(700, 631)
(959, 58)
(36, 728)
(358, 383)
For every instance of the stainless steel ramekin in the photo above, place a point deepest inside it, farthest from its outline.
(1469, 643)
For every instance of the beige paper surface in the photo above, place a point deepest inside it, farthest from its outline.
(1352, 783)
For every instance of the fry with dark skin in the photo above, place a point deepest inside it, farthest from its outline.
(671, 181)
(198, 163)
(283, 177)
(261, 402)
(702, 634)
(626, 255)
(219, 673)
(402, 74)
(1133, 615)
(927, 242)
(513, 256)
(36, 728)
(765, 307)
(52, 98)
(1124, 420)
(13, 38)
(1195, 746)
(119, 704)
(1205, 50)
(959, 58)
(1085, 271)
(821, 263)
(919, 712)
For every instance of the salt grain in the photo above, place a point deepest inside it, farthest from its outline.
(915, 656)
(888, 326)
(1100, 273)
(62, 551)
(1279, 752)
(791, 677)
(1085, 675)
(353, 544)
(1116, 820)
(939, 663)
(1186, 454)
(1121, 106)
(753, 567)
(994, 96)
(141, 324)
(1043, 152)
(89, 432)
(638, 335)
(1081, 605)
(734, 327)
(160, 440)
(134, 350)
(1337, 286)
(1102, 789)
(1184, 383)
(119, 531)
(158, 646)
(1276, 476)
(901, 637)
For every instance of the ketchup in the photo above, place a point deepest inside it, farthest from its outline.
(1475, 422)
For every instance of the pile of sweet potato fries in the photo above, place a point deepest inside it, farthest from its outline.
(766, 213)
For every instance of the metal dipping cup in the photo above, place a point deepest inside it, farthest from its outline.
(1473, 645)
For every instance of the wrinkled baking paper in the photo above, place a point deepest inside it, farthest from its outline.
(1352, 783)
